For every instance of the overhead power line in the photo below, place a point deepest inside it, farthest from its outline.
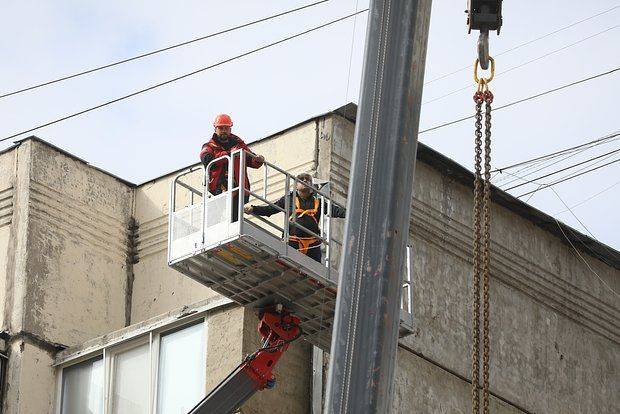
(528, 42)
(574, 205)
(579, 254)
(520, 65)
(550, 161)
(540, 184)
(155, 86)
(589, 164)
(164, 49)
(589, 198)
(592, 252)
(563, 169)
(538, 95)
(569, 178)
(561, 152)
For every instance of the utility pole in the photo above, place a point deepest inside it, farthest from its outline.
(365, 336)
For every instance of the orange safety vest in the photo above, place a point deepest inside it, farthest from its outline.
(305, 242)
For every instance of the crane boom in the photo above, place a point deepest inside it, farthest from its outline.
(278, 329)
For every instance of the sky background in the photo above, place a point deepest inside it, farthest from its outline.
(162, 130)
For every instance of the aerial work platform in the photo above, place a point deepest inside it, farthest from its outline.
(249, 260)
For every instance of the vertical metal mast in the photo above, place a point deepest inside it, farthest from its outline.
(364, 341)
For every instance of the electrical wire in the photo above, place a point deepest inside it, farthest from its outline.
(589, 198)
(528, 42)
(544, 162)
(569, 177)
(538, 95)
(346, 94)
(169, 81)
(164, 49)
(593, 253)
(573, 214)
(606, 157)
(561, 152)
(468, 86)
(536, 167)
(578, 253)
(607, 154)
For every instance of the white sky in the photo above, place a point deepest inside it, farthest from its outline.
(162, 130)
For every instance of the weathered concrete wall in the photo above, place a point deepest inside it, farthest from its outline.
(7, 183)
(30, 380)
(16, 253)
(423, 387)
(555, 344)
(76, 270)
(224, 344)
(156, 287)
(65, 268)
(337, 152)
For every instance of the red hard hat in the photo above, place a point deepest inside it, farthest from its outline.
(223, 120)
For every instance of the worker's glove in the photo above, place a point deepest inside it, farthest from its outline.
(259, 158)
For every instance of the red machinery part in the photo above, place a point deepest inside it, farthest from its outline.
(278, 328)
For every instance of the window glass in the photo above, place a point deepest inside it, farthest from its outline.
(130, 389)
(82, 388)
(181, 377)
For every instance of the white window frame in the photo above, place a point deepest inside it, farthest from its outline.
(109, 366)
(131, 340)
(59, 376)
(155, 344)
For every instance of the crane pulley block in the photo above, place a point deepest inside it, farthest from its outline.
(484, 15)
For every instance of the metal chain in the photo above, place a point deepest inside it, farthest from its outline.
(488, 99)
(475, 366)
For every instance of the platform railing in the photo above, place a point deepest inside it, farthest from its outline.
(206, 217)
(183, 222)
(237, 191)
(272, 172)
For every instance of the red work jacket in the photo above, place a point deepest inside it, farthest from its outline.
(218, 173)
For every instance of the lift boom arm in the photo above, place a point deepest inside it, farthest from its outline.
(278, 328)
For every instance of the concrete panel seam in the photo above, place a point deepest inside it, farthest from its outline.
(52, 348)
(516, 278)
(131, 260)
(90, 222)
(6, 206)
(71, 203)
(53, 218)
(67, 229)
(459, 376)
(449, 229)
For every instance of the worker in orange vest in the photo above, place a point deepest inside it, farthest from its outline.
(307, 208)
(224, 142)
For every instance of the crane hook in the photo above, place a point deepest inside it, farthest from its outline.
(483, 49)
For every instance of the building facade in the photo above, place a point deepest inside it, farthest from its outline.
(94, 321)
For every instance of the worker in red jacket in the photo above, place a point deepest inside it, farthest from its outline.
(224, 142)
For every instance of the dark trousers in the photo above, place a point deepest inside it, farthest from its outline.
(235, 204)
(313, 252)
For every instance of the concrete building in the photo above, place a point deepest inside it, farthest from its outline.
(94, 321)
